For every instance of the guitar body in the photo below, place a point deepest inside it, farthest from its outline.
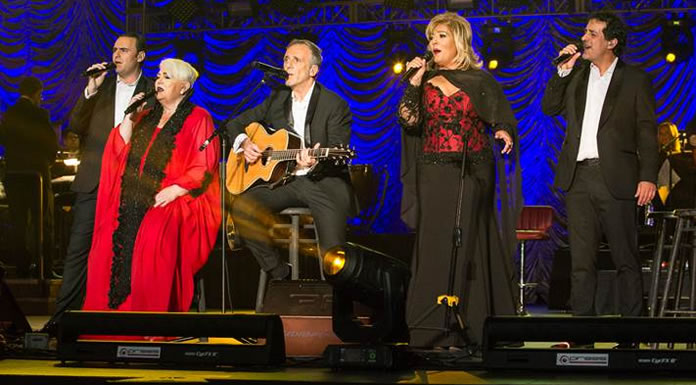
(242, 176)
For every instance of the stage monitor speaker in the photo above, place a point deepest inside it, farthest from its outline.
(500, 332)
(91, 336)
(12, 319)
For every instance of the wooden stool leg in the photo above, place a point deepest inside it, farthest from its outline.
(261, 290)
(294, 247)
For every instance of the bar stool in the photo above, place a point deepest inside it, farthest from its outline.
(300, 219)
(533, 225)
(662, 219)
(686, 225)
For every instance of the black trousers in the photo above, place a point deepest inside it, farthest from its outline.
(592, 210)
(254, 211)
(24, 200)
(72, 290)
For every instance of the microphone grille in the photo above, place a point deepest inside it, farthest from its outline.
(428, 55)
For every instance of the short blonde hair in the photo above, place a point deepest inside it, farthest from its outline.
(461, 33)
(180, 70)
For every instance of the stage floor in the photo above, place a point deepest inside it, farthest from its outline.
(28, 371)
(432, 368)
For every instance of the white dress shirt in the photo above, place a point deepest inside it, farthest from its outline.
(597, 87)
(124, 93)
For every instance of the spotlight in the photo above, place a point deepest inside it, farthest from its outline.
(373, 279)
(493, 64)
(677, 40)
(399, 45)
(398, 67)
(378, 283)
(498, 50)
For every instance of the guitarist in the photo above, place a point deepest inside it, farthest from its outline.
(319, 117)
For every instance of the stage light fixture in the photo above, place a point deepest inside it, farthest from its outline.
(399, 46)
(498, 50)
(398, 67)
(677, 40)
(374, 280)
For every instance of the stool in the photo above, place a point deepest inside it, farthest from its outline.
(686, 225)
(294, 240)
(662, 219)
(533, 224)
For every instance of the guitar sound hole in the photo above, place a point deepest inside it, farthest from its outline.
(264, 158)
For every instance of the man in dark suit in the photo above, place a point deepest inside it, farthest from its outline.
(30, 146)
(609, 159)
(319, 117)
(100, 108)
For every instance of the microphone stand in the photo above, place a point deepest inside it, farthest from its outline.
(220, 132)
(449, 300)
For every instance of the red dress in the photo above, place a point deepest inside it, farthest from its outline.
(173, 242)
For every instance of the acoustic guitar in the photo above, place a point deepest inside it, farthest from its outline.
(274, 167)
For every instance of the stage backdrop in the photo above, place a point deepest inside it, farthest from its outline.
(56, 40)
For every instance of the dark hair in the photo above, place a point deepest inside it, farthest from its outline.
(30, 85)
(139, 40)
(615, 29)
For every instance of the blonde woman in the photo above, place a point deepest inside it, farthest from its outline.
(158, 202)
(450, 108)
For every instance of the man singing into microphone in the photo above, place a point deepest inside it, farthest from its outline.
(99, 109)
(320, 118)
(609, 160)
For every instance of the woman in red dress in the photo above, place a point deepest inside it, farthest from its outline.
(158, 202)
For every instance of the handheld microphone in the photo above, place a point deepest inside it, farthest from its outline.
(427, 56)
(134, 106)
(269, 69)
(566, 56)
(97, 71)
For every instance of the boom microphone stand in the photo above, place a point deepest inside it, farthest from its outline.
(449, 300)
(220, 132)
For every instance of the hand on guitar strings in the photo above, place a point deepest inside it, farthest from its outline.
(252, 152)
(304, 159)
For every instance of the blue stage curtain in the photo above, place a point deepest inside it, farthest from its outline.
(56, 40)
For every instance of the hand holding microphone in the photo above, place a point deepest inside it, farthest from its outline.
(97, 73)
(568, 56)
(139, 100)
(416, 68)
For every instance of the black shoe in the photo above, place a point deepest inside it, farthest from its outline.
(281, 272)
(50, 328)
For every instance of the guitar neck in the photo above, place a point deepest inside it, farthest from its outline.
(282, 155)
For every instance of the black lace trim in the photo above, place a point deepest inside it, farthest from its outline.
(207, 178)
(138, 191)
(455, 158)
(410, 106)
